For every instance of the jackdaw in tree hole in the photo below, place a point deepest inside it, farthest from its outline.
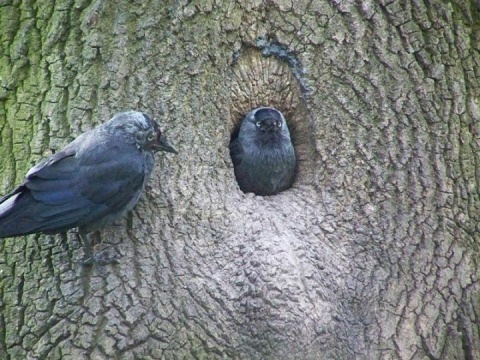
(95, 179)
(263, 156)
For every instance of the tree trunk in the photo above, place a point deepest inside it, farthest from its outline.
(373, 254)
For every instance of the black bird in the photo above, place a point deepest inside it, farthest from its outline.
(95, 179)
(263, 156)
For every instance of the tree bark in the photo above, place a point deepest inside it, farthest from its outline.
(373, 253)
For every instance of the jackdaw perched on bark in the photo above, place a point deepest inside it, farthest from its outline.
(95, 179)
(263, 156)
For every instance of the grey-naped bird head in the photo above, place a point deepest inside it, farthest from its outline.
(140, 127)
(264, 125)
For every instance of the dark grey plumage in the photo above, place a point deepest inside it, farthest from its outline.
(263, 155)
(95, 179)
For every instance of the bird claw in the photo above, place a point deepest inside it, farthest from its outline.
(101, 259)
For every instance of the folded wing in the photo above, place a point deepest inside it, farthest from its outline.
(68, 190)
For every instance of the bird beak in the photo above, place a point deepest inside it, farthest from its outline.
(270, 125)
(164, 145)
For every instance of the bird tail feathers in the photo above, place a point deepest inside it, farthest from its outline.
(13, 221)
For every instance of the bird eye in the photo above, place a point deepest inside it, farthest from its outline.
(279, 124)
(258, 123)
(151, 137)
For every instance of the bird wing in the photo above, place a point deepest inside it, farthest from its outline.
(45, 201)
(71, 189)
(236, 152)
(102, 181)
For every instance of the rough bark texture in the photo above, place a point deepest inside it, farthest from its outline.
(373, 254)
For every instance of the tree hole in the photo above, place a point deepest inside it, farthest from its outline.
(260, 81)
